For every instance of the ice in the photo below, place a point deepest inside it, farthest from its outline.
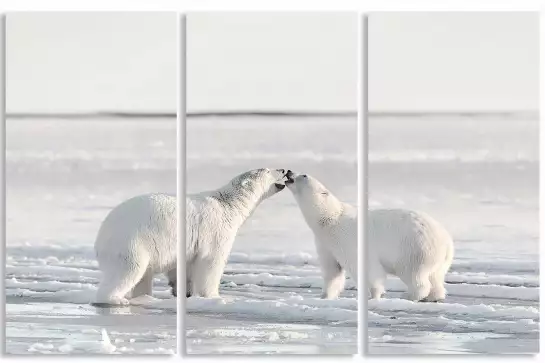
(103, 345)
(494, 311)
(479, 290)
(278, 310)
(270, 291)
(486, 279)
(63, 176)
(298, 259)
(478, 177)
(267, 279)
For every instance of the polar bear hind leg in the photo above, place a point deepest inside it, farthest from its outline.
(189, 267)
(376, 277)
(172, 276)
(120, 277)
(188, 287)
(437, 292)
(418, 284)
(437, 278)
(144, 286)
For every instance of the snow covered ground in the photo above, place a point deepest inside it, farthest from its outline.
(63, 176)
(271, 287)
(479, 177)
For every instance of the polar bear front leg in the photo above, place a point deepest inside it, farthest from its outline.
(206, 276)
(332, 273)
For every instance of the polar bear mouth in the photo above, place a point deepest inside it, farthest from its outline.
(279, 186)
(289, 177)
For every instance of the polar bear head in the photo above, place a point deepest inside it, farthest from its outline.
(248, 189)
(316, 202)
(263, 182)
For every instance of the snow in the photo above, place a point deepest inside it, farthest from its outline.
(479, 177)
(271, 286)
(63, 176)
(270, 291)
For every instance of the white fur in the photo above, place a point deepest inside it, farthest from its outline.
(213, 219)
(136, 241)
(412, 246)
(335, 228)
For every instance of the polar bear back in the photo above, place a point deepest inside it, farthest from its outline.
(401, 239)
(144, 224)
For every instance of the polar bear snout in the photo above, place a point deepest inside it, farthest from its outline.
(290, 177)
(279, 180)
(293, 178)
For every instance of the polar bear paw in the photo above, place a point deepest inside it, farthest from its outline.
(376, 292)
(113, 301)
(329, 296)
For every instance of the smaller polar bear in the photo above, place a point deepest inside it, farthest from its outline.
(136, 241)
(412, 246)
(335, 228)
(213, 219)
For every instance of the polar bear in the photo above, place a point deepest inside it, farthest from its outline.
(412, 246)
(213, 219)
(136, 241)
(335, 228)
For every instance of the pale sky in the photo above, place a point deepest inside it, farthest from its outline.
(59, 62)
(453, 61)
(272, 61)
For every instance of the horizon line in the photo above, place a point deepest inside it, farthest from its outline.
(267, 113)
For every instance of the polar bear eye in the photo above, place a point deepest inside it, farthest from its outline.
(305, 176)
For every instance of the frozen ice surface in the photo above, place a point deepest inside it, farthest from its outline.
(479, 177)
(271, 286)
(63, 176)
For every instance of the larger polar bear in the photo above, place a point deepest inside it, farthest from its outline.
(213, 219)
(335, 228)
(410, 245)
(136, 241)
